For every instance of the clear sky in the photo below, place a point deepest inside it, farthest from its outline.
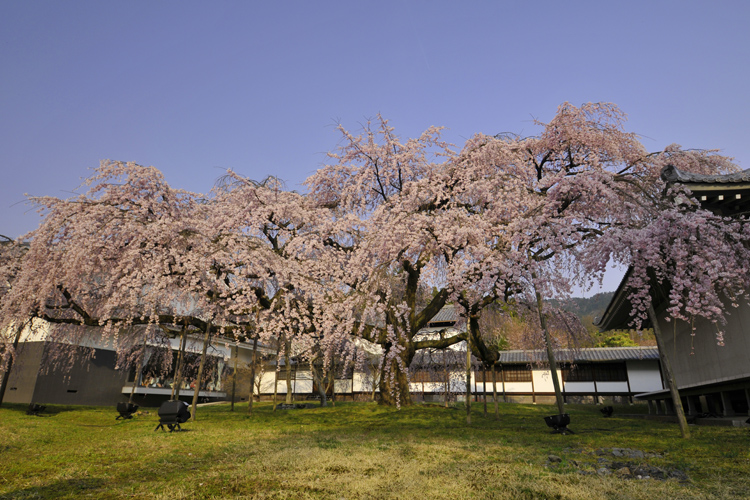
(197, 87)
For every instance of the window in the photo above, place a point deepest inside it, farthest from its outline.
(600, 372)
(516, 373)
(611, 372)
(425, 375)
(578, 373)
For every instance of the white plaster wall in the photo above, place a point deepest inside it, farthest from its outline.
(543, 380)
(611, 387)
(428, 387)
(644, 375)
(517, 387)
(343, 386)
(266, 384)
(587, 387)
(362, 383)
(304, 382)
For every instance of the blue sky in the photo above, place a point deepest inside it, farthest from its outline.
(196, 87)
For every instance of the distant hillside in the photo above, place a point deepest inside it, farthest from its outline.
(592, 306)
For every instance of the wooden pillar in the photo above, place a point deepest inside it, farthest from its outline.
(659, 410)
(726, 404)
(670, 409)
(692, 409)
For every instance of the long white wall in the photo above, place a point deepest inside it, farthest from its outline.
(643, 376)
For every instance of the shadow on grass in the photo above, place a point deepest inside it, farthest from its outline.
(49, 410)
(67, 488)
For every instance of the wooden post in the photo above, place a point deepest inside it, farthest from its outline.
(288, 362)
(550, 354)
(502, 377)
(668, 374)
(201, 366)
(252, 377)
(494, 392)
(468, 380)
(447, 376)
(333, 381)
(276, 377)
(177, 378)
(484, 388)
(234, 376)
(139, 370)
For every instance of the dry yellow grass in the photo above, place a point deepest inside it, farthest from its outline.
(357, 451)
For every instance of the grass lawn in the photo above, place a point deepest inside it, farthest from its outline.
(361, 450)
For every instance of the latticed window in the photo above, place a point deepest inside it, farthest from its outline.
(611, 372)
(425, 375)
(578, 373)
(600, 372)
(517, 373)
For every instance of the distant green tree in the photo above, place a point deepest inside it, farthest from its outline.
(616, 338)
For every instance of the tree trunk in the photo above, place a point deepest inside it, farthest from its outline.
(468, 379)
(177, 379)
(252, 377)
(6, 374)
(394, 384)
(319, 382)
(201, 366)
(667, 369)
(550, 354)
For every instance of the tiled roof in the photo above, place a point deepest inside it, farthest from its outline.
(449, 312)
(673, 174)
(590, 354)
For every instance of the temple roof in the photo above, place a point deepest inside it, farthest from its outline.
(581, 355)
(727, 194)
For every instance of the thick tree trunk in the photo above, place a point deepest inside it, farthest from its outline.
(6, 374)
(550, 355)
(394, 384)
(254, 360)
(177, 378)
(667, 369)
(201, 366)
